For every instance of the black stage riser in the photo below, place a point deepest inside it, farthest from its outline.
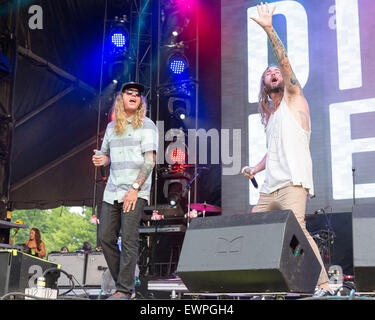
(262, 252)
(363, 247)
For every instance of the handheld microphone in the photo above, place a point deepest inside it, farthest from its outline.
(253, 181)
(102, 170)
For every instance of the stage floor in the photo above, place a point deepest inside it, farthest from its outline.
(175, 289)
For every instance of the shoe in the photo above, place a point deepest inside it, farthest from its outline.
(321, 293)
(119, 296)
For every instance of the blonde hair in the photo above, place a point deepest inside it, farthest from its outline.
(120, 116)
(265, 104)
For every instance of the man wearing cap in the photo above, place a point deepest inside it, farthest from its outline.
(129, 146)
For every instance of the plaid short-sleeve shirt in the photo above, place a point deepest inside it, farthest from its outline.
(127, 157)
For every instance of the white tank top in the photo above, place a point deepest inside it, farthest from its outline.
(288, 152)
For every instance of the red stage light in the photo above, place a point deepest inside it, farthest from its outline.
(178, 156)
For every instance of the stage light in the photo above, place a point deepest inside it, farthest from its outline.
(116, 51)
(182, 115)
(177, 155)
(179, 107)
(119, 39)
(117, 70)
(177, 62)
(176, 151)
(177, 65)
(173, 198)
(174, 192)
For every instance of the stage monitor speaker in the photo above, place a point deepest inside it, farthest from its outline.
(363, 247)
(261, 252)
(96, 265)
(19, 271)
(71, 262)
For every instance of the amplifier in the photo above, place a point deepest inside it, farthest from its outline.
(96, 265)
(71, 262)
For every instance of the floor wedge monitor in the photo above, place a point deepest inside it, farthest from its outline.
(261, 252)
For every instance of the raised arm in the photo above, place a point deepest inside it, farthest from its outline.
(292, 85)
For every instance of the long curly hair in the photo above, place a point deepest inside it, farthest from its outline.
(120, 116)
(38, 239)
(265, 104)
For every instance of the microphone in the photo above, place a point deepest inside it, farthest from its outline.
(102, 170)
(253, 181)
(321, 210)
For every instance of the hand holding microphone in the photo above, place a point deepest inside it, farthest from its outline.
(99, 160)
(249, 172)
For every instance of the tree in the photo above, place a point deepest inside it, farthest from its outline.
(58, 227)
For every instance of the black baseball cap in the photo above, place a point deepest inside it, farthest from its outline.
(135, 85)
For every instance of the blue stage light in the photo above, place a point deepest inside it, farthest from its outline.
(119, 39)
(177, 65)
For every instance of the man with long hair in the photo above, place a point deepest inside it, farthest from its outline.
(287, 164)
(129, 146)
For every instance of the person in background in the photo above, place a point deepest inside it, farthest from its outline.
(35, 244)
(64, 249)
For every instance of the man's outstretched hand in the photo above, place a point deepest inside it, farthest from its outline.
(265, 15)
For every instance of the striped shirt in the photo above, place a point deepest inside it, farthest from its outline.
(126, 152)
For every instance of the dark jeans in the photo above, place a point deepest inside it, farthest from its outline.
(113, 221)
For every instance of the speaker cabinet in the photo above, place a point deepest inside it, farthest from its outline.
(71, 262)
(19, 271)
(363, 247)
(261, 252)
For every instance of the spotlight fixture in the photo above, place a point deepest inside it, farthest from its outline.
(174, 193)
(176, 155)
(177, 64)
(179, 107)
(119, 39)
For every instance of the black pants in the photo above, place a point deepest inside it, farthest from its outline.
(113, 221)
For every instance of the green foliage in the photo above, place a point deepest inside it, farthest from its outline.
(58, 227)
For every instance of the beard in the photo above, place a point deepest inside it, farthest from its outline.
(279, 88)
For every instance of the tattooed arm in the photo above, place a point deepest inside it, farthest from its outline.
(131, 196)
(293, 91)
(292, 85)
(148, 166)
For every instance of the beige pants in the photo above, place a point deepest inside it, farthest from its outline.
(292, 198)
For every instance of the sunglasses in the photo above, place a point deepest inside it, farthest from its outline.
(131, 92)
